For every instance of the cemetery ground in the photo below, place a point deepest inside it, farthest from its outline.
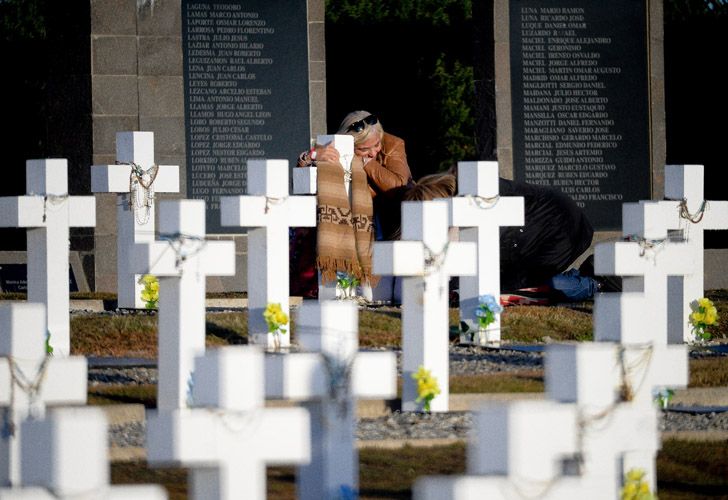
(695, 468)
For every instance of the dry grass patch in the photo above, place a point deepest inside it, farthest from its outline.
(124, 335)
(525, 381)
(380, 328)
(541, 323)
(692, 469)
(145, 394)
(709, 372)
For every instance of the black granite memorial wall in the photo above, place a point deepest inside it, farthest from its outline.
(246, 92)
(580, 101)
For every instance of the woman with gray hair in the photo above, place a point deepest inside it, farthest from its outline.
(385, 163)
(382, 158)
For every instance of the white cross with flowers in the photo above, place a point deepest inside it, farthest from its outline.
(330, 376)
(426, 259)
(646, 262)
(693, 215)
(135, 178)
(479, 211)
(268, 212)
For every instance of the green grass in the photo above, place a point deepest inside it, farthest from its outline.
(685, 470)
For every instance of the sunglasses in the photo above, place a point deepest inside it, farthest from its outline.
(358, 126)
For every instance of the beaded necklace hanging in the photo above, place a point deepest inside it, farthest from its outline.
(30, 386)
(141, 190)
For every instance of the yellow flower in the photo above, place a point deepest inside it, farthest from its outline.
(704, 315)
(635, 487)
(150, 293)
(635, 475)
(275, 318)
(427, 387)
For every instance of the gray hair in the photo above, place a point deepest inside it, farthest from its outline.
(364, 133)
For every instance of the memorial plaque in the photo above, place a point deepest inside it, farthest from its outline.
(246, 92)
(14, 278)
(580, 101)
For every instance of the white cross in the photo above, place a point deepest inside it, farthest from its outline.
(516, 451)
(134, 209)
(48, 212)
(639, 313)
(480, 212)
(228, 437)
(613, 386)
(685, 182)
(182, 262)
(330, 377)
(268, 211)
(426, 260)
(30, 380)
(504, 488)
(67, 458)
(600, 374)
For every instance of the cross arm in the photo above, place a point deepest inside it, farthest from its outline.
(262, 211)
(303, 376)
(627, 258)
(30, 211)
(468, 211)
(82, 211)
(304, 180)
(64, 381)
(207, 437)
(115, 179)
(22, 211)
(716, 215)
(398, 258)
(212, 258)
(461, 259)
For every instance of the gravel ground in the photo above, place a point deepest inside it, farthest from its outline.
(397, 425)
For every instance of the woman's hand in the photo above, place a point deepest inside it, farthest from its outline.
(327, 153)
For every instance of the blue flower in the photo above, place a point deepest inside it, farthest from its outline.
(488, 307)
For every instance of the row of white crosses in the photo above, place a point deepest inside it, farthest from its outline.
(48, 451)
(599, 419)
(210, 414)
(426, 259)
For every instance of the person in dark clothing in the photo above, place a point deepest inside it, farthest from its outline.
(534, 257)
(556, 232)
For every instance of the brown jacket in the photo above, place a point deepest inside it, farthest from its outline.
(389, 169)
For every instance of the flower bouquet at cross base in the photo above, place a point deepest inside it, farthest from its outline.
(347, 284)
(275, 318)
(150, 293)
(427, 387)
(635, 487)
(704, 315)
(485, 314)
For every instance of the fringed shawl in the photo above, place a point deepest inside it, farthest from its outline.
(345, 232)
